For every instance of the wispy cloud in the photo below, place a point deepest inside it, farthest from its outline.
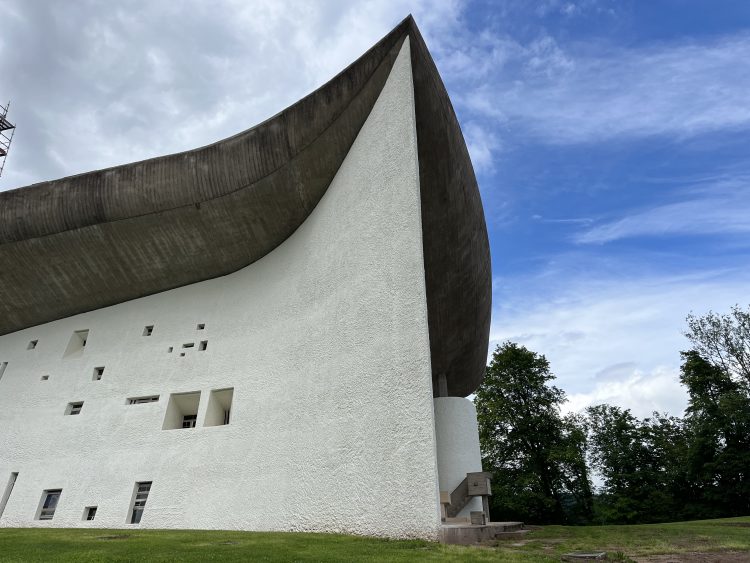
(571, 95)
(721, 207)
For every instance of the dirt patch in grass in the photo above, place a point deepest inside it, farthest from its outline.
(694, 557)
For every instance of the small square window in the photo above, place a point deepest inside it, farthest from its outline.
(45, 377)
(188, 421)
(32, 345)
(148, 330)
(203, 345)
(98, 372)
(201, 326)
(74, 408)
(169, 350)
(89, 513)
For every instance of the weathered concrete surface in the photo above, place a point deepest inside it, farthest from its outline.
(105, 237)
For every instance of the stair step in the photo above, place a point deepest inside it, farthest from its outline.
(467, 534)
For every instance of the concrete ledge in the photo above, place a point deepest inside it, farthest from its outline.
(466, 534)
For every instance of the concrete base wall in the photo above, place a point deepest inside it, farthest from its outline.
(324, 342)
(457, 445)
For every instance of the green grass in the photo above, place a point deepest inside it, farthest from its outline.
(543, 545)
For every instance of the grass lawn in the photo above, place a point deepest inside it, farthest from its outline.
(543, 545)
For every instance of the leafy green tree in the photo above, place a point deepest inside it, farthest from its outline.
(724, 342)
(640, 462)
(718, 423)
(537, 458)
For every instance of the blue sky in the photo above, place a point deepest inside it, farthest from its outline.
(609, 139)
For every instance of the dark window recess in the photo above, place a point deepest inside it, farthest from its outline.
(148, 330)
(90, 513)
(203, 345)
(32, 345)
(189, 420)
(45, 377)
(188, 345)
(49, 503)
(139, 501)
(74, 408)
(142, 400)
(201, 326)
(98, 372)
(169, 350)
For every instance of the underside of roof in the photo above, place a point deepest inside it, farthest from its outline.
(96, 239)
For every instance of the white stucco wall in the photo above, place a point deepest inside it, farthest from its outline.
(457, 445)
(324, 341)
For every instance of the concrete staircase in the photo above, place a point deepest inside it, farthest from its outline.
(477, 528)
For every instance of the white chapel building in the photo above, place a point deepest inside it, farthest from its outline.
(273, 332)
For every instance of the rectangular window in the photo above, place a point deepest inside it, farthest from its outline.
(98, 372)
(219, 407)
(32, 345)
(188, 345)
(3, 365)
(45, 377)
(140, 495)
(74, 408)
(142, 400)
(89, 513)
(182, 410)
(148, 330)
(48, 504)
(201, 326)
(203, 345)
(8, 490)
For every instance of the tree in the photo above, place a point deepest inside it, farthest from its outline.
(537, 458)
(718, 423)
(641, 463)
(724, 342)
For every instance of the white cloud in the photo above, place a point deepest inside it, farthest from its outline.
(95, 85)
(615, 339)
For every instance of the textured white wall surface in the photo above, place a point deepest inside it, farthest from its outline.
(457, 438)
(324, 341)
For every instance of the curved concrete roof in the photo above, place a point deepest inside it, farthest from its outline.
(92, 240)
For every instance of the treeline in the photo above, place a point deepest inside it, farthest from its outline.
(655, 469)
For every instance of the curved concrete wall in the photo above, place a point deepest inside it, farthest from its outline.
(324, 341)
(457, 439)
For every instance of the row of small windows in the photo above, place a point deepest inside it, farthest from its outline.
(182, 409)
(78, 341)
(51, 497)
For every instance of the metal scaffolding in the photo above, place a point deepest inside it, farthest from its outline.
(7, 129)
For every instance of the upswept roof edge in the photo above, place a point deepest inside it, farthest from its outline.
(96, 239)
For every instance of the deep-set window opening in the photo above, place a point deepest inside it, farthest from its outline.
(48, 504)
